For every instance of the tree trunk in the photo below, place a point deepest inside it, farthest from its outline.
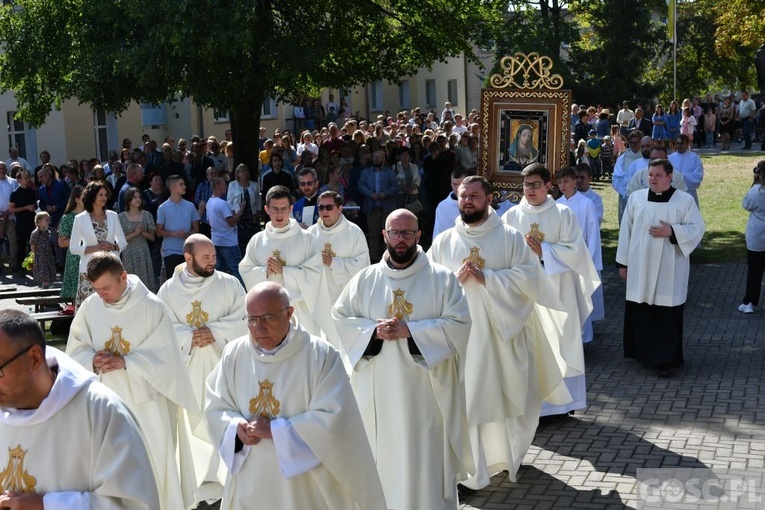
(245, 126)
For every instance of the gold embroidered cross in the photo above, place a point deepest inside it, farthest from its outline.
(475, 258)
(14, 477)
(400, 307)
(265, 404)
(277, 254)
(116, 344)
(328, 250)
(535, 233)
(197, 318)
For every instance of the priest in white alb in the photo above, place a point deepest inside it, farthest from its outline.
(283, 416)
(553, 234)
(66, 440)
(660, 228)
(512, 362)
(287, 254)
(404, 323)
(587, 217)
(122, 333)
(640, 179)
(206, 308)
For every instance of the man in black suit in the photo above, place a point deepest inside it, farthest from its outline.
(640, 123)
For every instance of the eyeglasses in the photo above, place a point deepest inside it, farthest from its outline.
(307, 183)
(14, 358)
(329, 207)
(278, 210)
(253, 320)
(406, 234)
(532, 185)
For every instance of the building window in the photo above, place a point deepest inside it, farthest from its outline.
(451, 86)
(269, 109)
(375, 99)
(17, 134)
(220, 115)
(101, 131)
(404, 100)
(430, 93)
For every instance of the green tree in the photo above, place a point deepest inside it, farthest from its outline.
(620, 42)
(227, 54)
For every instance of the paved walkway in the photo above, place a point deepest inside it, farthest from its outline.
(711, 414)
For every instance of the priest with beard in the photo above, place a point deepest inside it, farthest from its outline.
(512, 360)
(122, 334)
(287, 254)
(661, 227)
(66, 440)
(553, 234)
(206, 308)
(404, 323)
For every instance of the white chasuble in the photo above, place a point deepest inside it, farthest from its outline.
(300, 256)
(347, 245)
(154, 384)
(587, 216)
(573, 276)
(512, 362)
(413, 405)
(319, 457)
(657, 269)
(81, 447)
(217, 303)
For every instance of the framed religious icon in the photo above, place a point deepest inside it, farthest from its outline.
(525, 119)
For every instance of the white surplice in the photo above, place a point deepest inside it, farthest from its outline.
(217, 303)
(512, 363)
(300, 254)
(587, 217)
(657, 269)
(81, 447)
(319, 457)
(413, 406)
(573, 275)
(154, 383)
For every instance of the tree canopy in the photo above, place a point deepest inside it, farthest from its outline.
(226, 54)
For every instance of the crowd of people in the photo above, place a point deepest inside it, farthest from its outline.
(357, 323)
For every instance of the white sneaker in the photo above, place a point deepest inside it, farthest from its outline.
(746, 308)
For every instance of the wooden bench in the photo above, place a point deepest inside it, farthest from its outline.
(30, 293)
(43, 317)
(40, 302)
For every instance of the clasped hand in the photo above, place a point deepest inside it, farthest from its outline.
(470, 270)
(250, 433)
(202, 337)
(663, 230)
(21, 501)
(273, 265)
(392, 329)
(105, 362)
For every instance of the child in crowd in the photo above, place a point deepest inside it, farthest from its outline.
(594, 146)
(688, 125)
(41, 244)
(607, 156)
(710, 124)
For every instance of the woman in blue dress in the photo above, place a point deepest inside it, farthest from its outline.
(673, 124)
(659, 119)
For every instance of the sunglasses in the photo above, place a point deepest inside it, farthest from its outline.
(330, 207)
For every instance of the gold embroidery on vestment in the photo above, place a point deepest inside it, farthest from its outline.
(278, 256)
(15, 478)
(197, 318)
(475, 258)
(116, 344)
(400, 307)
(535, 233)
(328, 250)
(265, 404)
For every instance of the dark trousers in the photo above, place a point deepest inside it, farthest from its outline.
(171, 262)
(755, 268)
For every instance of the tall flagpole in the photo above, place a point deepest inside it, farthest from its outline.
(673, 6)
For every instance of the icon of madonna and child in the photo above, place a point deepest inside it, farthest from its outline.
(522, 150)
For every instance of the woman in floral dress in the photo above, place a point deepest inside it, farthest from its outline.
(139, 228)
(71, 268)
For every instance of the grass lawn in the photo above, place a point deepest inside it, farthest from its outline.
(726, 180)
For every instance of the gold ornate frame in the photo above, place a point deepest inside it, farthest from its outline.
(526, 96)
